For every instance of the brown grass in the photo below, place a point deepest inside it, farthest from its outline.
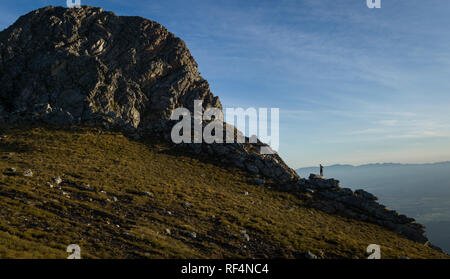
(37, 221)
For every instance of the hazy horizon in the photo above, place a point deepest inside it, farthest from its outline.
(378, 163)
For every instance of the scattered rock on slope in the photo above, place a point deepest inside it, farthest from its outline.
(28, 173)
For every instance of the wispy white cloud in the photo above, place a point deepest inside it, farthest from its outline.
(391, 129)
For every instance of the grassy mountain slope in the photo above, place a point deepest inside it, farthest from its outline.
(103, 207)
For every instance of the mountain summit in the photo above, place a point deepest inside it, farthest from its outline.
(83, 65)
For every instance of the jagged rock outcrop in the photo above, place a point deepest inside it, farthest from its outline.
(327, 195)
(86, 66)
(71, 66)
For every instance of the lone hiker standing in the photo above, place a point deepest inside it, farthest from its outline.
(321, 170)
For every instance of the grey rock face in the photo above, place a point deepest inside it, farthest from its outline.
(70, 66)
(252, 168)
(320, 182)
(366, 195)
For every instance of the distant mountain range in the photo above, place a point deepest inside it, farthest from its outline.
(421, 191)
(376, 165)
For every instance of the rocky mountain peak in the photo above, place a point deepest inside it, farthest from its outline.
(86, 65)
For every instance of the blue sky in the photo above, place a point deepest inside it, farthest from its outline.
(354, 85)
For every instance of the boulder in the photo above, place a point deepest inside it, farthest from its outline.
(320, 182)
(28, 173)
(313, 176)
(193, 235)
(57, 180)
(310, 256)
